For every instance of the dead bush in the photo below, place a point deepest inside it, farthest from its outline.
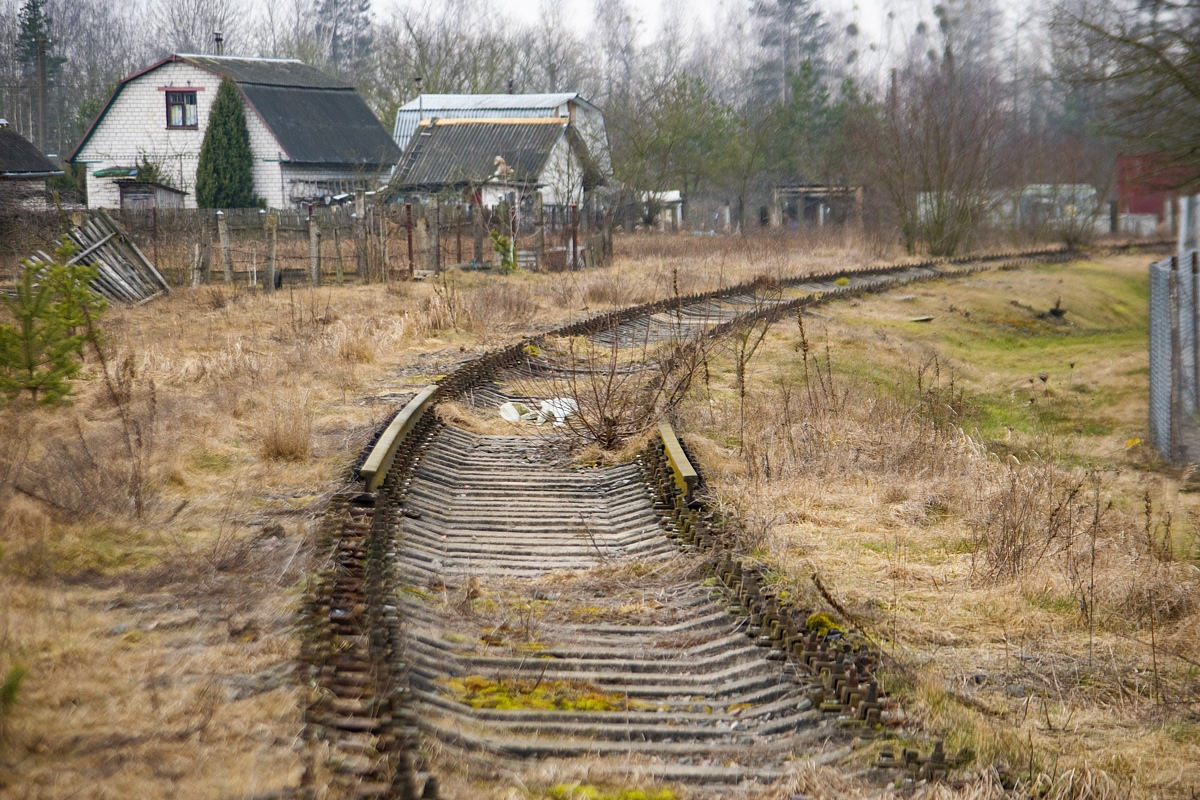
(505, 307)
(1023, 513)
(286, 429)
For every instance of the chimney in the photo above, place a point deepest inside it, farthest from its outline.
(510, 85)
(219, 42)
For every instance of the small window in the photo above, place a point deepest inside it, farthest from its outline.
(181, 110)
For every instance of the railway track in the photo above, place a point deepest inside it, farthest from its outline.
(532, 622)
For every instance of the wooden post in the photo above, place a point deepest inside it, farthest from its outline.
(477, 226)
(433, 217)
(337, 253)
(360, 236)
(458, 234)
(408, 226)
(539, 235)
(314, 252)
(226, 253)
(196, 267)
(272, 223)
(574, 236)
(205, 249)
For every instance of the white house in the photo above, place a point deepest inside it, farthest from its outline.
(311, 134)
(491, 160)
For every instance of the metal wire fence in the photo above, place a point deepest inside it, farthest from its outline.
(1175, 357)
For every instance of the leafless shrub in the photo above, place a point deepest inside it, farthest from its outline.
(504, 307)
(619, 392)
(1023, 513)
(111, 470)
(286, 429)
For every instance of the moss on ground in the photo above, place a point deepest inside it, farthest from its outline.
(477, 691)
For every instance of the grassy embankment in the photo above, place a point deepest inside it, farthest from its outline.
(975, 491)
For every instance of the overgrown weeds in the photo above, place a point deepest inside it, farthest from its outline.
(285, 430)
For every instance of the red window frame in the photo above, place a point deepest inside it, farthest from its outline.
(177, 98)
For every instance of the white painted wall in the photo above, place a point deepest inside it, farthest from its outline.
(136, 125)
(562, 177)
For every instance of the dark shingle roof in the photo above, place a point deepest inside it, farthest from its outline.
(269, 71)
(463, 152)
(19, 158)
(323, 126)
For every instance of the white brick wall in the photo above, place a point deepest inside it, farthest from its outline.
(136, 125)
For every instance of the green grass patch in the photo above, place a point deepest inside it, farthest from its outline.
(477, 691)
(565, 791)
(208, 461)
(1053, 603)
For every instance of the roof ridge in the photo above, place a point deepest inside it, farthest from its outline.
(240, 58)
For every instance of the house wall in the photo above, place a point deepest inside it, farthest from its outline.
(562, 177)
(136, 125)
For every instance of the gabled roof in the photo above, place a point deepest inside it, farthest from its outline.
(462, 152)
(316, 118)
(479, 106)
(20, 159)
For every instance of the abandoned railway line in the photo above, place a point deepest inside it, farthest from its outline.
(487, 600)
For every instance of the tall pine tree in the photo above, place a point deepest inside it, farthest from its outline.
(224, 177)
(34, 24)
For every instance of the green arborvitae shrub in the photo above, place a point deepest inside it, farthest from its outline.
(52, 315)
(224, 177)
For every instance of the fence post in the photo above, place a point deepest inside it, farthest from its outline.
(539, 235)
(458, 212)
(1176, 439)
(205, 248)
(574, 236)
(360, 236)
(337, 253)
(408, 228)
(226, 255)
(433, 217)
(477, 226)
(1195, 330)
(314, 251)
(272, 223)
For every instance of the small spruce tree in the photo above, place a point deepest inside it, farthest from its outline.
(42, 347)
(223, 176)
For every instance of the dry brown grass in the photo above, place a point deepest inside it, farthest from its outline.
(155, 535)
(1031, 571)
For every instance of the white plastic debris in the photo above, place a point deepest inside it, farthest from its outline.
(513, 412)
(558, 409)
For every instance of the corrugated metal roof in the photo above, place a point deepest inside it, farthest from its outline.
(323, 126)
(459, 106)
(289, 72)
(463, 153)
(19, 158)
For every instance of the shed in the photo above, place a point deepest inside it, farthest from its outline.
(586, 118)
(146, 195)
(486, 160)
(23, 171)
